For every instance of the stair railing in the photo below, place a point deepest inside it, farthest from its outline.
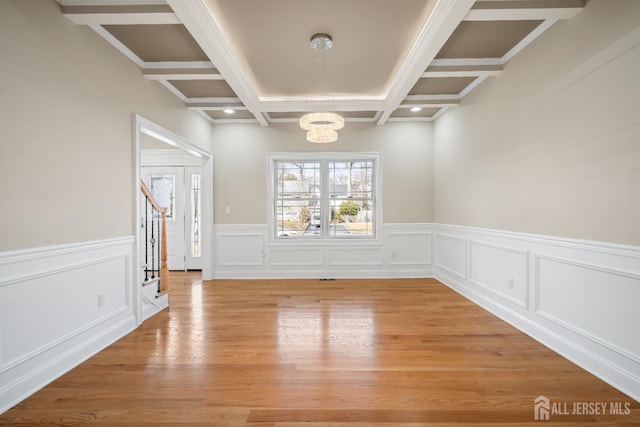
(155, 233)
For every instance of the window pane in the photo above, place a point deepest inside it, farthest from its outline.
(163, 190)
(298, 180)
(195, 214)
(351, 198)
(350, 180)
(351, 218)
(297, 218)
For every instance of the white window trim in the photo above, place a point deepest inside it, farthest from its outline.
(376, 239)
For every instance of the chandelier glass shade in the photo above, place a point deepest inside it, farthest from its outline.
(321, 127)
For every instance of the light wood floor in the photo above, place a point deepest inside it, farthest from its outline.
(318, 353)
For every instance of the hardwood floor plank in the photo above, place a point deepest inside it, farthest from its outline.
(282, 353)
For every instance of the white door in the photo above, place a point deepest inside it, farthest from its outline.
(170, 179)
(184, 234)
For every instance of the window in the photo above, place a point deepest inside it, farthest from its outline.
(163, 189)
(324, 196)
(195, 198)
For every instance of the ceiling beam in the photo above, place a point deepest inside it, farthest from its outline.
(337, 103)
(207, 33)
(214, 104)
(120, 15)
(418, 101)
(462, 71)
(180, 73)
(520, 10)
(443, 21)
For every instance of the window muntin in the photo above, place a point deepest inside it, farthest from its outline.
(329, 198)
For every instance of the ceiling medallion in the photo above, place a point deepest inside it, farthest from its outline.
(321, 127)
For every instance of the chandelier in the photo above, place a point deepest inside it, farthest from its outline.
(321, 127)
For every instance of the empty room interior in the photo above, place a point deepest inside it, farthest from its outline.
(342, 213)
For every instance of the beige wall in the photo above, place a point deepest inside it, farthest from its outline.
(67, 101)
(240, 166)
(551, 145)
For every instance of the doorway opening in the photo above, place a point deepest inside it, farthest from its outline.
(165, 159)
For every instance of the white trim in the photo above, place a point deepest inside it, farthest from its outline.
(69, 248)
(168, 157)
(523, 10)
(110, 2)
(472, 86)
(142, 125)
(324, 158)
(117, 44)
(544, 26)
(89, 17)
(173, 90)
(205, 29)
(85, 329)
(487, 287)
(187, 65)
(593, 350)
(616, 272)
(444, 19)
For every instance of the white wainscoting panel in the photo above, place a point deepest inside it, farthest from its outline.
(284, 257)
(451, 254)
(58, 306)
(240, 246)
(408, 248)
(500, 270)
(579, 298)
(355, 256)
(244, 251)
(592, 301)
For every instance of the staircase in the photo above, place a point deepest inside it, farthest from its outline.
(155, 285)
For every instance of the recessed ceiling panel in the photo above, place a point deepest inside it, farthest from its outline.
(441, 85)
(371, 40)
(485, 39)
(407, 113)
(156, 43)
(204, 88)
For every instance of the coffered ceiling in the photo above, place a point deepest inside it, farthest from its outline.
(254, 56)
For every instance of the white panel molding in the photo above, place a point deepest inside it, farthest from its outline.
(354, 256)
(41, 280)
(414, 242)
(440, 254)
(308, 259)
(297, 257)
(524, 302)
(587, 343)
(578, 330)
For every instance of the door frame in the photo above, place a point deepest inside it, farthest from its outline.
(145, 126)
